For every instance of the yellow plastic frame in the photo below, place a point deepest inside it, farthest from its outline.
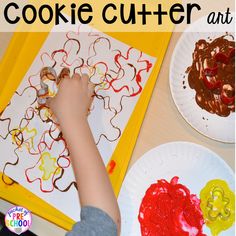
(22, 50)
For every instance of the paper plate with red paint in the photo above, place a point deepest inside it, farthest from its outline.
(193, 164)
(202, 80)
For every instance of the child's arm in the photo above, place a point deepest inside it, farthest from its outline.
(70, 106)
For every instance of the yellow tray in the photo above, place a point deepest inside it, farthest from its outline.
(19, 55)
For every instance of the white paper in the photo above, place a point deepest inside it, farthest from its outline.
(29, 153)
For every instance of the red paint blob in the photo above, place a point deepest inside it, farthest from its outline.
(112, 166)
(169, 209)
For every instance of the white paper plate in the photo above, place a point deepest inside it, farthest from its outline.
(195, 166)
(210, 125)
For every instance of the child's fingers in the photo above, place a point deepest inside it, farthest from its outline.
(91, 94)
(91, 87)
(85, 80)
(90, 103)
(76, 76)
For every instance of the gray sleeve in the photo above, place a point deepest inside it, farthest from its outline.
(94, 222)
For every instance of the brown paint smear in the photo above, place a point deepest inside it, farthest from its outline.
(213, 77)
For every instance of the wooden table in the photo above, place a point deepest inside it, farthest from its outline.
(163, 123)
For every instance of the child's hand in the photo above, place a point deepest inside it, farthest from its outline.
(71, 106)
(73, 99)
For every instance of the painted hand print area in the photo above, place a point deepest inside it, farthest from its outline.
(33, 150)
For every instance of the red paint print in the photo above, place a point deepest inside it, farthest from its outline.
(112, 166)
(169, 209)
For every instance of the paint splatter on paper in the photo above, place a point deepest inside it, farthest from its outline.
(35, 152)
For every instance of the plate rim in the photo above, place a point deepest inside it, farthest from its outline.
(185, 143)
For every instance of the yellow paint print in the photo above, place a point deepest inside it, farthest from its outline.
(48, 166)
(218, 206)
